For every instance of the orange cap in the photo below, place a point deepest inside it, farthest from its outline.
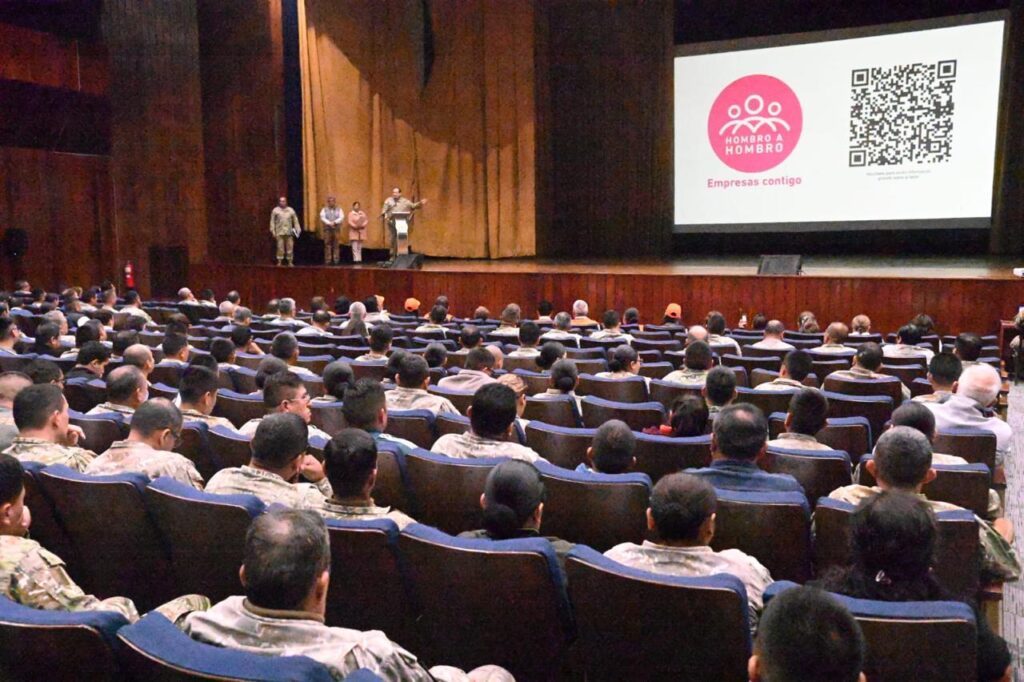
(674, 311)
(412, 305)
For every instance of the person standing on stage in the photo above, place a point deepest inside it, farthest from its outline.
(396, 203)
(357, 222)
(284, 225)
(331, 218)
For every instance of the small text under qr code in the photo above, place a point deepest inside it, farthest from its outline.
(902, 114)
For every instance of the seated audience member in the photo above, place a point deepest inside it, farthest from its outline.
(268, 367)
(286, 314)
(509, 321)
(318, 303)
(42, 371)
(356, 325)
(435, 320)
(808, 414)
(9, 336)
(903, 462)
(226, 311)
(375, 312)
(631, 316)
(544, 310)
(491, 418)
(580, 313)
(738, 441)
(612, 328)
(197, 390)
(513, 506)
(123, 340)
(342, 305)
(127, 388)
(272, 309)
(865, 365)
(57, 317)
(529, 337)
(470, 337)
(681, 518)
(810, 326)
(550, 353)
(35, 577)
(366, 408)
(177, 324)
(499, 356)
(807, 635)
(436, 355)
(11, 384)
(155, 431)
(696, 333)
(241, 317)
(758, 322)
(716, 333)
(278, 458)
(224, 352)
(968, 348)
(92, 362)
(794, 369)
(47, 340)
(943, 372)
(285, 575)
(244, 341)
(412, 380)
(924, 323)
(284, 392)
(893, 537)
(87, 301)
(612, 450)
(338, 378)
(563, 381)
(719, 389)
(835, 337)
(319, 325)
(476, 373)
(860, 325)
(518, 387)
(91, 330)
(131, 306)
(139, 355)
(350, 462)
(623, 363)
(186, 297)
(773, 337)
(176, 350)
(562, 331)
(44, 434)
(906, 346)
(688, 418)
(481, 314)
(977, 392)
(697, 362)
(673, 315)
(286, 347)
(380, 344)
(804, 317)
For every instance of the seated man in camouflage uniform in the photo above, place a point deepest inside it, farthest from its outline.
(491, 417)
(411, 393)
(32, 576)
(284, 392)
(350, 462)
(198, 392)
(156, 429)
(278, 457)
(697, 362)
(11, 384)
(365, 408)
(286, 573)
(127, 388)
(808, 414)
(44, 433)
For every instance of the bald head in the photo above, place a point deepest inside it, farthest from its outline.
(157, 422)
(11, 384)
(139, 355)
(499, 357)
(696, 333)
(836, 333)
(980, 383)
(126, 385)
(774, 328)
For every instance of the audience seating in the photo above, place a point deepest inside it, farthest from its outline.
(638, 416)
(632, 390)
(974, 445)
(481, 602)
(777, 353)
(666, 392)
(369, 370)
(818, 471)
(46, 529)
(230, 448)
(599, 510)
(515, 362)
(956, 558)
(100, 430)
(195, 445)
(773, 527)
(919, 387)
(876, 409)
(238, 408)
(656, 370)
(563, 446)
(412, 425)
(84, 394)
(659, 456)
(965, 485)
(536, 382)
(446, 491)
(204, 533)
(905, 373)
(750, 363)
(849, 434)
(59, 646)
(106, 520)
(930, 641)
(327, 417)
(763, 376)
(447, 422)
(460, 399)
(559, 411)
(767, 401)
(392, 478)
(158, 390)
(155, 649)
(905, 361)
(168, 375)
(891, 387)
(631, 620)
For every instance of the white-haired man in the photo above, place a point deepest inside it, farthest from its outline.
(977, 393)
(286, 314)
(773, 337)
(226, 310)
(580, 314)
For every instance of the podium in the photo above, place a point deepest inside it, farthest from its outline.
(400, 225)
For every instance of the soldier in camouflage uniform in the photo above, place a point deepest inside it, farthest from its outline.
(411, 392)
(41, 414)
(127, 388)
(697, 362)
(11, 384)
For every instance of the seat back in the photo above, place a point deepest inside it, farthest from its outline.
(106, 519)
(155, 649)
(638, 416)
(558, 411)
(876, 409)
(633, 390)
(849, 434)
(905, 373)
(238, 408)
(631, 620)
(666, 392)
(655, 370)
(598, 510)
(927, 641)
(446, 491)
(195, 445)
(205, 534)
(83, 394)
(965, 485)
(974, 445)
(767, 401)
(169, 374)
(460, 399)
(891, 387)
(327, 417)
(453, 582)
(448, 422)
(101, 430)
(46, 529)
(230, 449)
(536, 382)
(369, 370)
(563, 446)
(37, 644)
(659, 456)
(773, 527)
(391, 488)
(416, 426)
(514, 362)
(750, 363)
(818, 471)
(243, 379)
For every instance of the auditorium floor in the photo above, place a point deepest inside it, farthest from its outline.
(1013, 595)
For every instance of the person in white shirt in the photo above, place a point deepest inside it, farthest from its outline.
(286, 314)
(9, 335)
(716, 333)
(435, 321)
(773, 337)
(131, 306)
(565, 377)
(509, 322)
(861, 325)
(226, 310)
(185, 296)
(907, 339)
(561, 331)
(697, 333)
(319, 324)
(285, 346)
(331, 218)
(977, 392)
(612, 328)
(835, 337)
(529, 337)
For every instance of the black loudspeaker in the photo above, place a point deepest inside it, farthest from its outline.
(408, 261)
(15, 242)
(780, 265)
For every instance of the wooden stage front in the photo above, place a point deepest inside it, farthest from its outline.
(970, 293)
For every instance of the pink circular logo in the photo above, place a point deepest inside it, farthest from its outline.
(755, 123)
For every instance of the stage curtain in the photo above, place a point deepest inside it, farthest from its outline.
(435, 97)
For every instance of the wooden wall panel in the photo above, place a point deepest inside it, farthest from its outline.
(52, 61)
(956, 304)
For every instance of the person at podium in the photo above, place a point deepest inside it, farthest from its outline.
(397, 203)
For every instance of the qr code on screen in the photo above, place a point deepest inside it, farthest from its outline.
(902, 114)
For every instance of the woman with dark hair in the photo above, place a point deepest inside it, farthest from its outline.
(688, 418)
(513, 505)
(550, 353)
(563, 382)
(623, 363)
(892, 538)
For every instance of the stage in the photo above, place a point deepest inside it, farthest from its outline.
(973, 292)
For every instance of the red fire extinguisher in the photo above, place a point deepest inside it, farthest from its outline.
(129, 275)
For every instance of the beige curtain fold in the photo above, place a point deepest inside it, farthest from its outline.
(465, 141)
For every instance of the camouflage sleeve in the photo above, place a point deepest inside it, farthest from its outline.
(41, 582)
(191, 476)
(995, 506)
(80, 458)
(385, 658)
(176, 609)
(999, 561)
